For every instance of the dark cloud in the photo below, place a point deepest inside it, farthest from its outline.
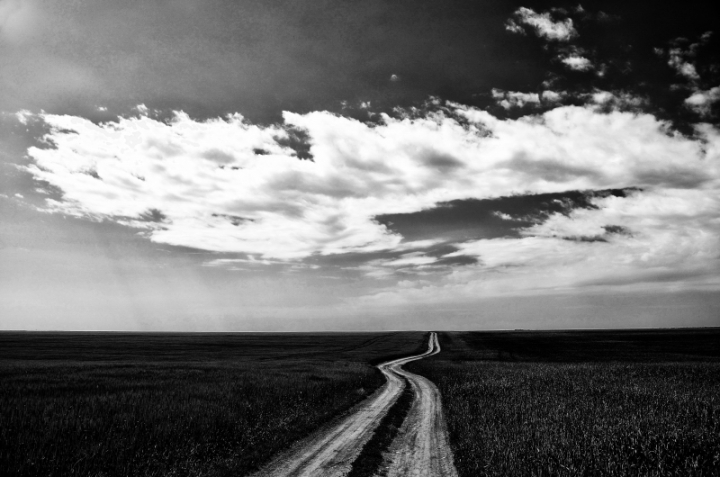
(354, 260)
(617, 229)
(221, 157)
(458, 260)
(443, 163)
(153, 215)
(472, 219)
(549, 170)
(233, 219)
(298, 140)
(585, 238)
(681, 178)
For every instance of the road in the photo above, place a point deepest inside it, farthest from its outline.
(420, 449)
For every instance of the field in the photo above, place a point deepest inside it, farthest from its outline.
(111, 404)
(581, 403)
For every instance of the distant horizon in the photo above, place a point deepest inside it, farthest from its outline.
(367, 331)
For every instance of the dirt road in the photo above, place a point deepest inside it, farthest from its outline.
(420, 449)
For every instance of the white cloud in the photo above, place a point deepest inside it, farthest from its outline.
(677, 59)
(658, 240)
(602, 97)
(577, 63)
(511, 99)
(552, 96)
(701, 101)
(664, 238)
(513, 27)
(682, 54)
(542, 23)
(201, 184)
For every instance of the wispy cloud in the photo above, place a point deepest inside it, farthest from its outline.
(512, 99)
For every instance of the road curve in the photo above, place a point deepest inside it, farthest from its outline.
(421, 448)
(331, 451)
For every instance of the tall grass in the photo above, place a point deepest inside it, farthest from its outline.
(175, 404)
(523, 415)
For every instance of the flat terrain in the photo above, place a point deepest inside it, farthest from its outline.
(117, 404)
(632, 402)
(637, 402)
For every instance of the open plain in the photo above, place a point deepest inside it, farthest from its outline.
(610, 402)
(119, 404)
(633, 402)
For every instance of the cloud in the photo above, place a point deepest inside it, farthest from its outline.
(514, 99)
(202, 184)
(664, 238)
(543, 25)
(702, 101)
(677, 59)
(472, 219)
(682, 54)
(577, 63)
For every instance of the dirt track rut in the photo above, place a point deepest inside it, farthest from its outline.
(420, 449)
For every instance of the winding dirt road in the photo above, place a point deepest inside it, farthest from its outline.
(420, 449)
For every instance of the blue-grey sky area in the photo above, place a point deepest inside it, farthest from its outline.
(331, 165)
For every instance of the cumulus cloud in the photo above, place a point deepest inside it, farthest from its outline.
(204, 184)
(542, 23)
(701, 101)
(552, 96)
(677, 59)
(650, 240)
(577, 63)
(681, 56)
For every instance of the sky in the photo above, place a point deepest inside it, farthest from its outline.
(218, 165)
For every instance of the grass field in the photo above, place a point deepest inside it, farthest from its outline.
(107, 404)
(581, 403)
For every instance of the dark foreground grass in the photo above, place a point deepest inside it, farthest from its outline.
(592, 403)
(175, 404)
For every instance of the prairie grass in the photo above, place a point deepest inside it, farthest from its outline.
(559, 404)
(175, 404)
